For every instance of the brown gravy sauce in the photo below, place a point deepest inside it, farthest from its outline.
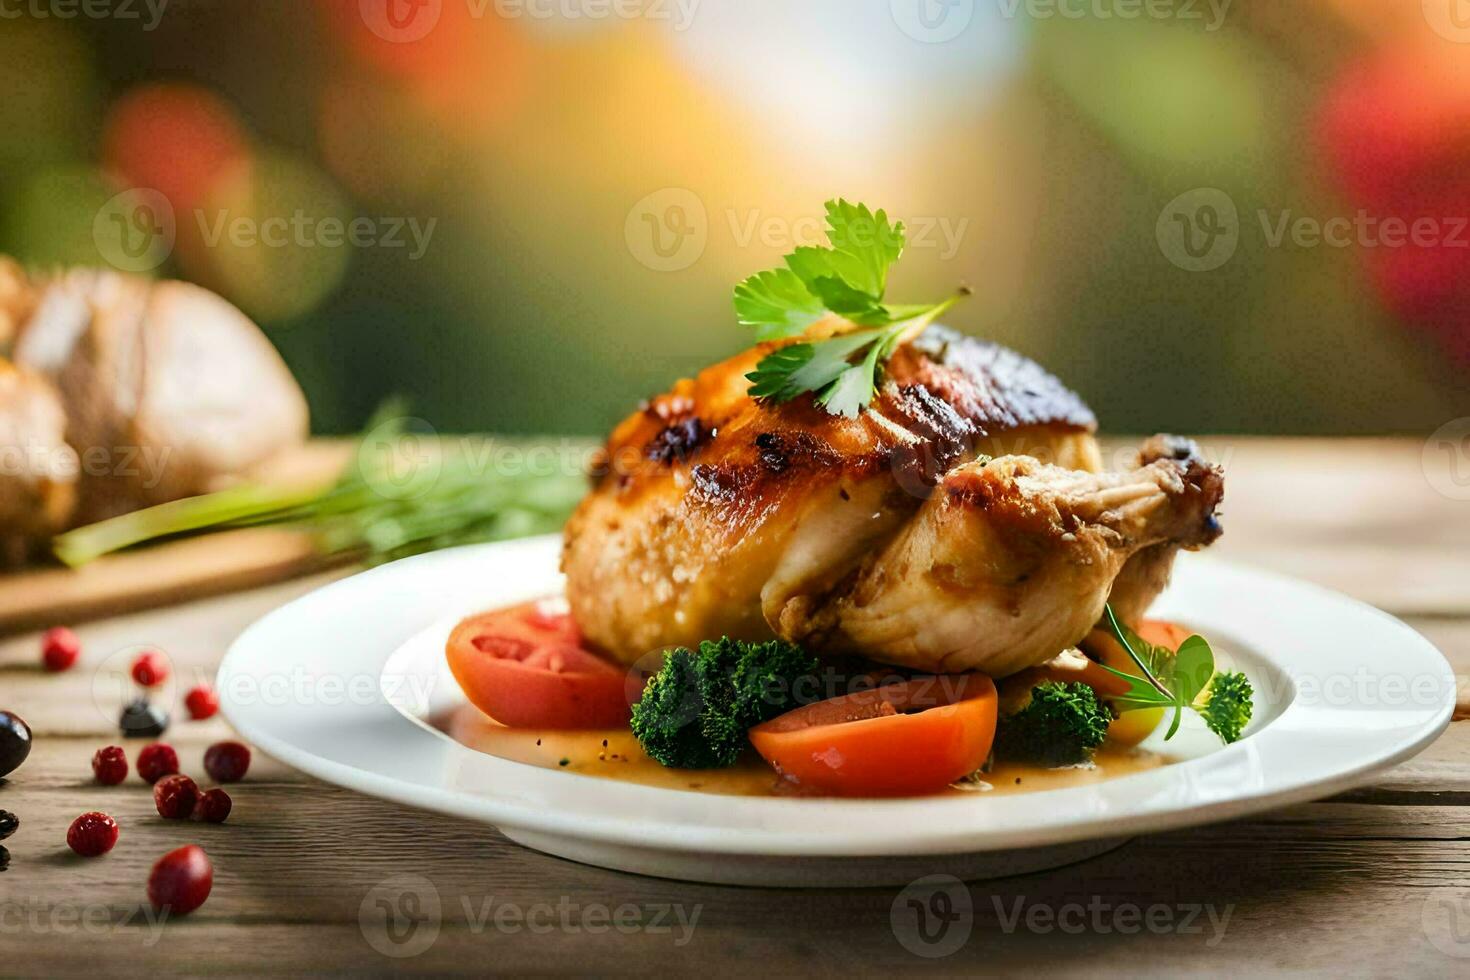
(616, 754)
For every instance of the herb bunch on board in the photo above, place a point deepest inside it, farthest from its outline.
(377, 510)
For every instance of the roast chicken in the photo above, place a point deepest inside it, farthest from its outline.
(963, 522)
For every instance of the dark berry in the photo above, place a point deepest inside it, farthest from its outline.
(15, 742)
(4, 859)
(9, 824)
(175, 797)
(180, 880)
(92, 834)
(141, 720)
(156, 761)
(110, 765)
(59, 648)
(213, 807)
(150, 668)
(227, 762)
(202, 702)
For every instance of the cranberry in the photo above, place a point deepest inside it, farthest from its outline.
(15, 742)
(175, 796)
(213, 807)
(59, 648)
(110, 765)
(156, 761)
(202, 702)
(150, 668)
(227, 762)
(9, 824)
(92, 834)
(141, 720)
(180, 880)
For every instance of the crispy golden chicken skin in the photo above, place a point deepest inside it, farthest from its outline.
(714, 514)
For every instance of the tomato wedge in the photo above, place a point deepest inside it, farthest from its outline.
(526, 668)
(897, 740)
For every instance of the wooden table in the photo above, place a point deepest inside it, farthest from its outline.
(1364, 884)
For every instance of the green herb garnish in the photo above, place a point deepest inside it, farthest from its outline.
(1183, 679)
(849, 278)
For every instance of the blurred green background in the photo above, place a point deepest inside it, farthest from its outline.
(555, 197)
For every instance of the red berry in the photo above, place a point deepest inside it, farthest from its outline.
(92, 834)
(150, 668)
(175, 797)
(180, 880)
(213, 807)
(156, 761)
(227, 762)
(202, 702)
(59, 648)
(110, 765)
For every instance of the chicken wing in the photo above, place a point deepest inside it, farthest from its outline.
(1011, 562)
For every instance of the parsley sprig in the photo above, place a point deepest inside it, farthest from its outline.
(849, 278)
(1181, 679)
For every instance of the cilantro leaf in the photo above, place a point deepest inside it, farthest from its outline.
(849, 278)
(797, 368)
(818, 270)
(864, 245)
(777, 304)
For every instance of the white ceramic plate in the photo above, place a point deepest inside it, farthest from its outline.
(337, 684)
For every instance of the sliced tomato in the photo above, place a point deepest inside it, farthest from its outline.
(526, 668)
(1132, 727)
(897, 740)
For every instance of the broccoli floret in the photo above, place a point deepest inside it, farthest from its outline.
(1226, 706)
(695, 711)
(1059, 724)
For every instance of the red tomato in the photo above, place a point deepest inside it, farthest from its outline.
(526, 668)
(897, 740)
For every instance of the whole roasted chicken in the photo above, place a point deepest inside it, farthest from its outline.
(962, 522)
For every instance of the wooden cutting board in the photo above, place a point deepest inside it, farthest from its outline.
(176, 571)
